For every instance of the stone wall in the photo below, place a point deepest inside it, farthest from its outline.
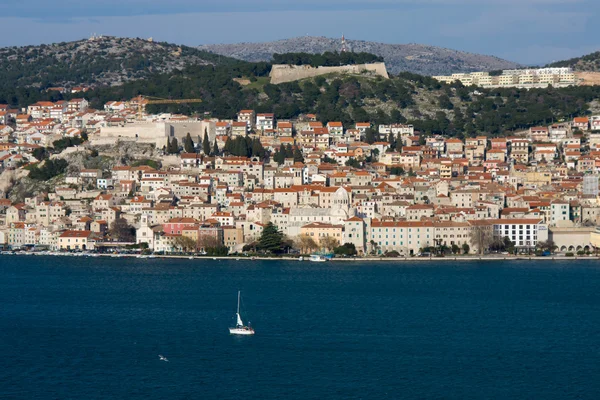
(571, 239)
(155, 132)
(281, 73)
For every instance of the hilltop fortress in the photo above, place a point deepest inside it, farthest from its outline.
(281, 73)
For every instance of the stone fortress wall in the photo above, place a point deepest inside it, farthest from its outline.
(155, 132)
(281, 73)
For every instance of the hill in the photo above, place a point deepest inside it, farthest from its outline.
(97, 61)
(433, 107)
(587, 63)
(415, 58)
(234, 85)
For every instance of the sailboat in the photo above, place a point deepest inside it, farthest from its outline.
(240, 328)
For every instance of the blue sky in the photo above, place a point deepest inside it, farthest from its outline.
(527, 31)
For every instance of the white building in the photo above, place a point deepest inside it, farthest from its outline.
(525, 233)
(559, 212)
(265, 121)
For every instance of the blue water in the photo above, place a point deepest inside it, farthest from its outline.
(75, 328)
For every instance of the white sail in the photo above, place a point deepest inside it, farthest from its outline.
(239, 320)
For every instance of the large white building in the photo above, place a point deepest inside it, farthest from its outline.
(524, 233)
(528, 78)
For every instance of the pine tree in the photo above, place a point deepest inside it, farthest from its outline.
(279, 155)
(398, 145)
(370, 136)
(240, 147)
(206, 143)
(391, 140)
(174, 146)
(271, 239)
(289, 152)
(298, 157)
(257, 149)
(227, 149)
(188, 144)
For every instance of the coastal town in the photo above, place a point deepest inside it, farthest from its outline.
(215, 186)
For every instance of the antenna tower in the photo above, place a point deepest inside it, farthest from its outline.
(344, 48)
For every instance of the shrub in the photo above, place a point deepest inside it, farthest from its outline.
(217, 251)
(61, 144)
(569, 254)
(347, 249)
(50, 169)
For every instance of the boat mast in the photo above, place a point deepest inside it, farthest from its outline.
(238, 309)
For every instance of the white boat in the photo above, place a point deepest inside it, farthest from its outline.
(240, 328)
(317, 258)
(300, 258)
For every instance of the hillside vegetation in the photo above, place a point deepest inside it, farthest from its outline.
(103, 61)
(587, 63)
(227, 86)
(415, 58)
(431, 106)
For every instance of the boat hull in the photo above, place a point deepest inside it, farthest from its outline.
(241, 331)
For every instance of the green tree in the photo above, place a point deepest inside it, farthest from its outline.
(257, 149)
(271, 239)
(188, 144)
(397, 171)
(347, 249)
(353, 162)
(298, 157)
(391, 141)
(40, 153)
(327, 159)
(445, 103)
(49, 170)
(278, 157)
(398, 145)
(370, 136)
(215, 151)
(289, 151)
(466, 248)
(206, 143)
(375, 154)
(61, 144)
(173, 146)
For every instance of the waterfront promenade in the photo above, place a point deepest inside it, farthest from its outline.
(471, 258)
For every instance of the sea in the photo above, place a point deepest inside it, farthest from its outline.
(94, 328)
